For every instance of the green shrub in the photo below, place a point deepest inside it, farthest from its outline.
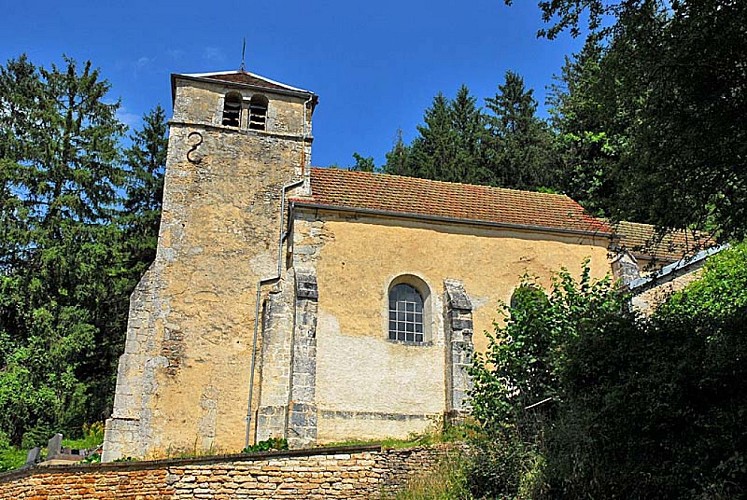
(580, 398)
(93, 437)
(267, 445)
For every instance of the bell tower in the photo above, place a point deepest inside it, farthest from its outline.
(237, 141)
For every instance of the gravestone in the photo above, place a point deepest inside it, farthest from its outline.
(33, 455)
(54, 446)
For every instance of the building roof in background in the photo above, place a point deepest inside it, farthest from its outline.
(403, 196)
(677, 268)
(644, 242)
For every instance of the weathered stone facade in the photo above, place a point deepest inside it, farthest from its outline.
(459, 326)
(234, 239)
(183, 380)
(352, 473)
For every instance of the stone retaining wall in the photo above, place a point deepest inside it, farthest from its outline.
(346, 472)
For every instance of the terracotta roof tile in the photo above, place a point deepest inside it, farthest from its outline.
(394, 194)
(248, 79)
(643, 241)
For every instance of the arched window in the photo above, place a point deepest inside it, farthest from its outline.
(258, 112)
(405, 313)
(232, 109)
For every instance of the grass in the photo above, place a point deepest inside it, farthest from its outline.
(93, 437)
(439, 434)
(446, 481)
(11, 458)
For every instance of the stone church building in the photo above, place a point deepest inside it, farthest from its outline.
(316, 304)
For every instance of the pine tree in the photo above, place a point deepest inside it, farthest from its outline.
(518, 140)
(586, 145)
(363, 163)
(146, 164)
(61, 260)
(398, 158)
(468, 124)
(434, 151)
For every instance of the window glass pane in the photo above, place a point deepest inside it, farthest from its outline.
(405, 314)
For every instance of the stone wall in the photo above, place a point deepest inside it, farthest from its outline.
(183, 381)
(345, 472)
(647, 298)
(370, 387)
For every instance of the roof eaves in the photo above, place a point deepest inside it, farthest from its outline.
(305, 203)
(205, 77)
(675, 267)
(255, 75)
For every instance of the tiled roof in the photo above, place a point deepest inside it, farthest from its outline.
(643, 241)
(397, 195)
(246, 78)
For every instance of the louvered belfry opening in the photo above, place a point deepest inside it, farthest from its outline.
(232, 109)
(258, 112)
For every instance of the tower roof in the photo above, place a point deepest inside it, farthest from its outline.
(245, 78)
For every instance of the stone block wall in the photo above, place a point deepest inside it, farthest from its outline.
(344, 472)
(183, 381)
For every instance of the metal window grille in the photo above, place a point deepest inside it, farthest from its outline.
(405, 314)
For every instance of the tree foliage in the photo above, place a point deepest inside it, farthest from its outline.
(593, 401)
(66, 264)
(519, 142)
(146, 164)
(671, 82)
(506, 146)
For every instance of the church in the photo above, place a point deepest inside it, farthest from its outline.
(319, 305)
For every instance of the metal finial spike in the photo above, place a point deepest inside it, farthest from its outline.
(243, 52)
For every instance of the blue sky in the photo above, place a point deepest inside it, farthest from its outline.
(375, 65)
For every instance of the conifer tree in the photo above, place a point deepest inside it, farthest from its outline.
(434, 151)
(468, 123)
(363, 163)
(398, 158)
(146, 164)
(587, 141)
(518, 140)
(61, 260)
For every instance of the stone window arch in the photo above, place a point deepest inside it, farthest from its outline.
(408, 310)
(258, 112)
(232, 109)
